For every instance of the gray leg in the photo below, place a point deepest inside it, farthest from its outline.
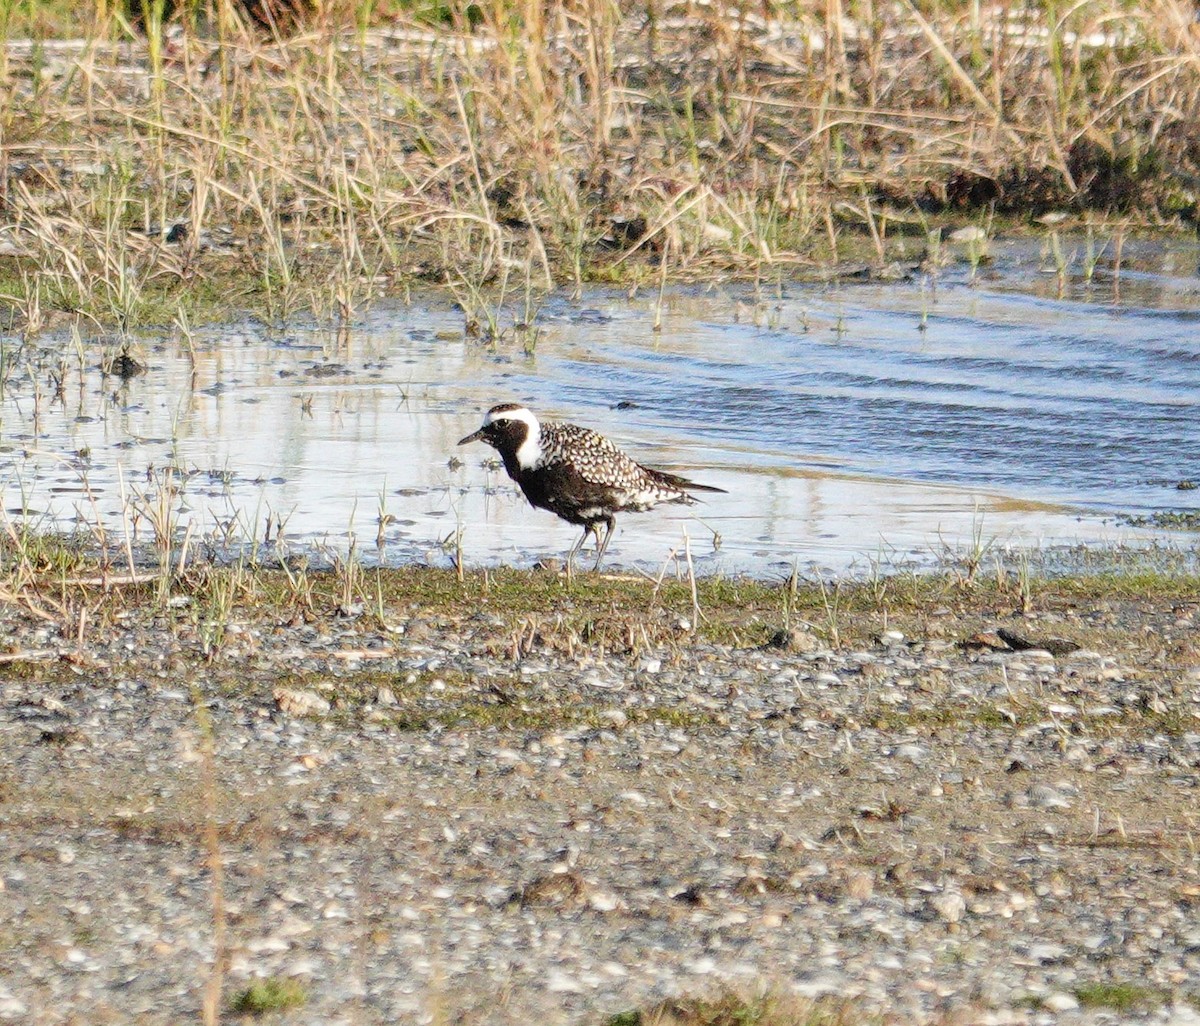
(587, 530)
(609, 524)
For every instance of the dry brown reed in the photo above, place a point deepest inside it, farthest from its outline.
(561, 143)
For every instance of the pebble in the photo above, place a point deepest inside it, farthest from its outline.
(616, 717)
(860, 885)
(1047, 952)
(1060, 1001)
(1084, 655)
(266, 945)
(558, 982)
(602, 901)
(11, 1008)
(1043, 796)
(915, 754)
(297, 702)
(950, 906)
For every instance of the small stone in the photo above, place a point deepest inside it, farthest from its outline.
(300, 703)
(984, 640)
(602, 901)
(1060, 1002)
(1047, 952)
(1043, 796)
(794, 640)
(266, 945)
(293, 926)
(385, 696)
(915, 754)
(716, 233)
(558, 982)
(614, 716)
(949, 905)
(1084, 655)
(860, 885)
(11, 1008)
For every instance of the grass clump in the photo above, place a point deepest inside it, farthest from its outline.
(1183, 520)
(730, 1009)
(1120, 996)
(270, 995)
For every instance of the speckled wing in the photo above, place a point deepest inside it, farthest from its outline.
(598, 466)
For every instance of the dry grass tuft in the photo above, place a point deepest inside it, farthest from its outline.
(730, 1009)
(508, 149)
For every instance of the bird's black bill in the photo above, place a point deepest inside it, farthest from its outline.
(471, 438)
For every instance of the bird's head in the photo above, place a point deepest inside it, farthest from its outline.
(512, 430)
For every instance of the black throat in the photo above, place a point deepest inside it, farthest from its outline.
(506, 437)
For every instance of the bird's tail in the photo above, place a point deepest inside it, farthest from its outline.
(682, 483)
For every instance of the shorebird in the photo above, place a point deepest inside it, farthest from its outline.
(577, 473)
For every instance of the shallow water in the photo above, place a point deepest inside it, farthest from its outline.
(848, 422)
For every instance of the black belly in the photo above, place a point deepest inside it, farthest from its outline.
(563, 492)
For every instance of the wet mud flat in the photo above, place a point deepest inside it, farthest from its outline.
(502, 799)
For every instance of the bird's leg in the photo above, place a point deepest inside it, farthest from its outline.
(594, 529)
(609, 523)
(587, 529)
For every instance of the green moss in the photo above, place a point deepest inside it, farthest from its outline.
(988, 717)
(270, 995)
(1119, 996)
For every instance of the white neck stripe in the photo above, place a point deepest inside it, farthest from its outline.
(529, 452)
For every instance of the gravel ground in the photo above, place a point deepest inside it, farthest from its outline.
(942, 833)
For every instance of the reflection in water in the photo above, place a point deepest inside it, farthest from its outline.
(841, 430)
